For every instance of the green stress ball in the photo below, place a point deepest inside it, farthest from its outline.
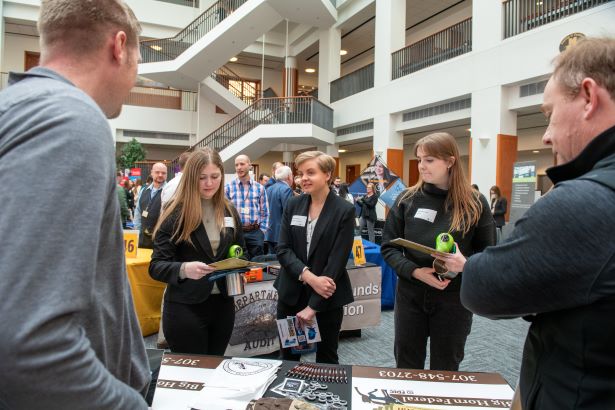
(445, 243)
(235, 252)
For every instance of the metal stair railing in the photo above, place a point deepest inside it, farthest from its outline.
(170, 48)
(224, 75)
(285, 110)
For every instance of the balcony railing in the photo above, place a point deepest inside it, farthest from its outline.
(170, 48)
(352, 83)
(239, 87)
(4, 80)
(444, 45)
(285, 110)
(524, 15)
(189, 3)
(162, 98)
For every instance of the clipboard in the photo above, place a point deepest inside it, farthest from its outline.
(416, 246)
(232, 263)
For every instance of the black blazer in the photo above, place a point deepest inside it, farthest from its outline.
(168, 257)
(329, 251)
(499, 211)
(368, 207)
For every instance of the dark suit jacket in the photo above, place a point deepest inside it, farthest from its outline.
(499, 211)
(368, 207)
(278, 195)
(329, 250)
(169, 255)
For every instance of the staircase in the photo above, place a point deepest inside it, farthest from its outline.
(221, 32)
(229, 91)
(268, 122)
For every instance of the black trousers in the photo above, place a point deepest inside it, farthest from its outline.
(421, 313)
(329, 324)
(255, 242)
(203, 328)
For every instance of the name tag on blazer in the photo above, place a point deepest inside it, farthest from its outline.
(298, 220)
(229, 222)
(428, 215)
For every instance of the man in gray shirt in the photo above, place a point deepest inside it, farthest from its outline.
(69, 337)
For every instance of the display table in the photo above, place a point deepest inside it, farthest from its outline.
(182, 377)
(146, 292)
(389, 278)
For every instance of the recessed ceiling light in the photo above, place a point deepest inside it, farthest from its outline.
(233, 59)
(536, 151)
(155, 47)
(341, 150)
(343, 52)
(310, 70)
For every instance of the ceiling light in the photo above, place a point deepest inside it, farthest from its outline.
(469, 129)
(341, 150)
(536, 151)
(343, 52)
(310, 70)
(233, 59)
(155, 47)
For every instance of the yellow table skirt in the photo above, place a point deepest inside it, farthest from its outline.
(146, 292)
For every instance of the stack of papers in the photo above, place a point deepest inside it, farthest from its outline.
(235, 382)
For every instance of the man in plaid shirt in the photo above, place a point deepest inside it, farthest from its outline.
(250, 199)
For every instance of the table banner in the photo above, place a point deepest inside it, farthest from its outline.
(378, 386)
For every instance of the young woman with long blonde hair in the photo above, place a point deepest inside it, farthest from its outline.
(428, 305)
(197, 228)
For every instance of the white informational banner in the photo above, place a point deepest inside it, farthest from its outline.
(376, 386)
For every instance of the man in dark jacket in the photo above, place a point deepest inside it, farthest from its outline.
(557, 268)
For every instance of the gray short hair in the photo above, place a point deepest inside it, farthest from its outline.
(283, 172)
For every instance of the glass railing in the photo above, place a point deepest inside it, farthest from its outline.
(353, 83)
(170, 48)
(524, 15)
(162, 98)
(444, 45)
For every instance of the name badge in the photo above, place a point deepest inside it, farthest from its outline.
(144, 214)
(298, 220)
(428, 215)
(229, 222)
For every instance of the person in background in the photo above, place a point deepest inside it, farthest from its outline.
(148, 181)
(149, 206)
(69, 335)
(298, 190)
(557, 267)
(124, 210)
(368, 211)
(130, 199)
(274, 168)
(170, 187)
(428, 305)
(278, 196)
(198, 227)
(315, 240)
(499, 206)
(250, 199)
(344, 193)
(136, 189)
(263, 179)
(335, 187)
(475, 187)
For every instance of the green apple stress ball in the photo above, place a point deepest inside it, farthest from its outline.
(445, 243)
(235, 252)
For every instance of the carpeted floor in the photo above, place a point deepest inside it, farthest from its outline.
(493, 346)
